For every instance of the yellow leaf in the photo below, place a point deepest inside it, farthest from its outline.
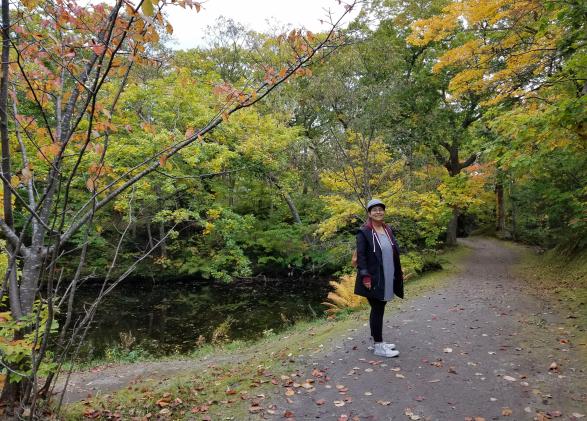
(14, 180)
(147, 7)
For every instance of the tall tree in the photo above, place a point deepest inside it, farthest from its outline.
(70, 64)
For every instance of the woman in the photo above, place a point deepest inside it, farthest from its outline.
(379, 274)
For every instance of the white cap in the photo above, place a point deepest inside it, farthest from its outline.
(374, 202)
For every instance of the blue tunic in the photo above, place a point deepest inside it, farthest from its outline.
(388, 266)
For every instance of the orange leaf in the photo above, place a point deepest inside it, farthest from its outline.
(99, 48)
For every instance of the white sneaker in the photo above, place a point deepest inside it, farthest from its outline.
(383, 351)
(371, 346)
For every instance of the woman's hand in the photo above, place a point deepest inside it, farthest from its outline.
(367, 282)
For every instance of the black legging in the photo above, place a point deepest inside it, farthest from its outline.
(376, 318)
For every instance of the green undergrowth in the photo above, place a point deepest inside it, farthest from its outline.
(227, 381)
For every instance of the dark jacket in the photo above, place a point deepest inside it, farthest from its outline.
(370, 263)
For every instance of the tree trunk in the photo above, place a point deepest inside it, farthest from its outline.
(292, 207)
(160, 206)
(290, 203)
(451, 231)
(500, 208)
(149, 235)
(513, 206)
(162, 245)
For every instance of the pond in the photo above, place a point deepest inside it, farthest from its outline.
(177, 316)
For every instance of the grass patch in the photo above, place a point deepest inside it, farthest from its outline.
(562, 280)
(238, 380)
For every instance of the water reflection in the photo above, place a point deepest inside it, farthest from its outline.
(174, 316)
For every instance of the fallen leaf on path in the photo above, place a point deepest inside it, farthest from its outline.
(400, 376)
(447, 350)
(288, 414)
(343, 417)
(368, 370)
(253, 409)
(555, 414)
(419, 398)
(577, 415)
(317, 373)
(452, 370)
(289, 392)
(395, 369)
(506, 412)
(384, 403)
(433, 381)
(165, 411)
(338, 403)
(553, 366)
(408, 412)
(509, 378)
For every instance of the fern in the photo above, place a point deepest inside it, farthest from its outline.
(343, 296)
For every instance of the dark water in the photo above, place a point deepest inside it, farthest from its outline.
(169, 317)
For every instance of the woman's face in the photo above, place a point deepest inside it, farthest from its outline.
(377, 213)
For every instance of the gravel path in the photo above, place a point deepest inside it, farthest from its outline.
(481, 347)
(484, 347)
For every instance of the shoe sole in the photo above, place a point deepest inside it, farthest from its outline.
(386, 355)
